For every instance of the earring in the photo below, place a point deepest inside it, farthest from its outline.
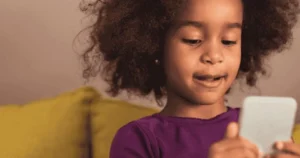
(156, 61)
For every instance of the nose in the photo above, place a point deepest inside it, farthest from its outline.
(212, 54)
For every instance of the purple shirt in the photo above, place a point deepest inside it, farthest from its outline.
(159, 136)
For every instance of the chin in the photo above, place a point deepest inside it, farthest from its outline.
(205, 99)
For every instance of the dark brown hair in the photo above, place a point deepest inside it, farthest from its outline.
(128, 36)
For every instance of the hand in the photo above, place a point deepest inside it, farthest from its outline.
(233, 146)
(286, 150)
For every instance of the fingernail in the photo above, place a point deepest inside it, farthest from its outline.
(279, 145)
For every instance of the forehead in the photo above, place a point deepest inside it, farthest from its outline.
(213, 11)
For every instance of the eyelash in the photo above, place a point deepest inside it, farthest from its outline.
(194, 42)
(191, 41)
(228, 43)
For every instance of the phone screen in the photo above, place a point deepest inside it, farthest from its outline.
(265, 120)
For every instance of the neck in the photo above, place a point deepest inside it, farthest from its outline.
(179, 107)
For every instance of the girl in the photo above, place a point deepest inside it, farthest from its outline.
(191, 52)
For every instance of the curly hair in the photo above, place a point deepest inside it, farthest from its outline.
(128, 36)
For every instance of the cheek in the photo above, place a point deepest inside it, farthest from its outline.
(179, 61)
(234, 62)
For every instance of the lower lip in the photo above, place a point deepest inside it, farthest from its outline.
(210, 84)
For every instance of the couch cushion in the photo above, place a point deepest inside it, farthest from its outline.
(48, 128)
(107, 117)
(296, 134)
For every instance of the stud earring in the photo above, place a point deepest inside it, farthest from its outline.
(156, 61)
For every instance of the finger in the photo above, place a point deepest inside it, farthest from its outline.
(241, 152)
(251, 147)
(288, 147)
(237, 143)
(232, 130)
(282, 155)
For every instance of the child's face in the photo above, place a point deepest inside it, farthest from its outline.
(203, 50)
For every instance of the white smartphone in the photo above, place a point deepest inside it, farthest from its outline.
(265, 120)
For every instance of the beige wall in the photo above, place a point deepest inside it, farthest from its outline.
(37, 59)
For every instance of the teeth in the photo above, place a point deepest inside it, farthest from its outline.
(209, 78)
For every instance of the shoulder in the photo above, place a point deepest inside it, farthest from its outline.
(234, 113)
(135, 138)
(144, 126)
(236, 110)
(136, 128)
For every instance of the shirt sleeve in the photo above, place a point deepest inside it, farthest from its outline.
(131, 141)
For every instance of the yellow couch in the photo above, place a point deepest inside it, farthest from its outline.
(78, 124)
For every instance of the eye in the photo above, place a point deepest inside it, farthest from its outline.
(192, 41)
(228, 42)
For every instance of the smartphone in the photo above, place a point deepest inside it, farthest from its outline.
(265, 120)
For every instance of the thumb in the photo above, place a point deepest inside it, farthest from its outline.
(232, 130)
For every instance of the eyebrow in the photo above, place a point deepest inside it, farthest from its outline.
(234, 25)
(200, 25)
(196, 24)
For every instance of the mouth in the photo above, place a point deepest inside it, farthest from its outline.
(209, 81)
(210, 77)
